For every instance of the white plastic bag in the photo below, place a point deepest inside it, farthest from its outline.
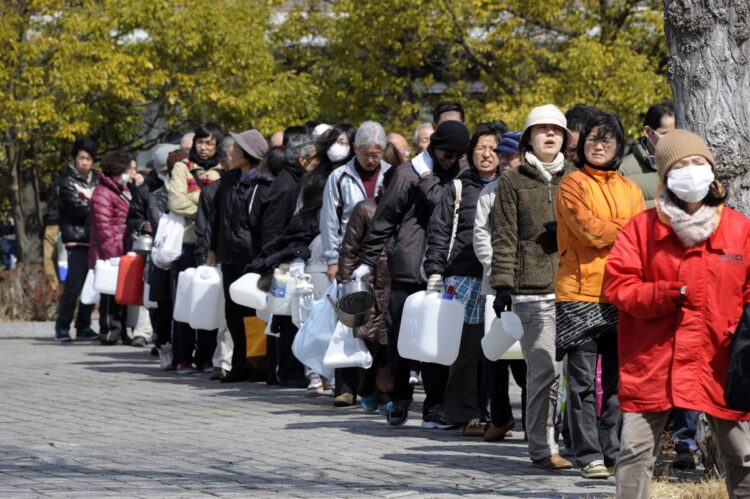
(344, 350)
(89, 296)
(167, 245)
(311, 342)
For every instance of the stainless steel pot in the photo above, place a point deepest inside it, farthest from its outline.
(143, 243)
(356, 297)
(351, 320)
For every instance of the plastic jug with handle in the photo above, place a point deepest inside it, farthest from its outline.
(206, 299)
(302, 300)
(130, 279)
(282, 289)
(501, 334)
(105, 276)
(431, 327)
(181, 312)
(244, 291)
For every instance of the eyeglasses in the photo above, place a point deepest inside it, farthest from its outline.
(375, 156)
(606, 142)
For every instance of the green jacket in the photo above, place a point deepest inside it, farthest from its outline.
(637, 168)
(524, 252)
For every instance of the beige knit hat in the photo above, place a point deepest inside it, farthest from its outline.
(678, 144)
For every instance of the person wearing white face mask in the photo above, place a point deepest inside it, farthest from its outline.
(680, 275)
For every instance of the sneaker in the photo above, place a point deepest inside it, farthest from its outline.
(383, 409)
(63, 336)
(184, 368)
(595, 469)
(140, 341)
(398, 413)
(315, 386)
(155, 351)
(568, 451)
(554, 462)
(207, 367)
(369, 403)
(611, 470)
(686, 460)
(413, 377)
(218, 373)
(498, 433)
(344, 400)
(474, 428)
(87, 334)
(436, 419)
(165, 357)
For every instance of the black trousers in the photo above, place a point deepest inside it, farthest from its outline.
(289, 371)
(347, 381)
(111, 318)
(498, 381)
(594, 437)
(77, 269)
(185, 339)
(235, 315)
(434, 376)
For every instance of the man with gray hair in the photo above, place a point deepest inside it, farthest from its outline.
(422, 137)
(347, 185)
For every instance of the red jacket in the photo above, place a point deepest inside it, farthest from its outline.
(109, 210)
(670, 356)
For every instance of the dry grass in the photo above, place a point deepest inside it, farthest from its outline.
(26, 295)
(710, 488)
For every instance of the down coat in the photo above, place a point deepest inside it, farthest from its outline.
(109, 213)
(74, 200)
(669, 356)
(375, 331)
(184, 193)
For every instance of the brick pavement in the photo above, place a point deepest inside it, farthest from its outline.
(83, 420)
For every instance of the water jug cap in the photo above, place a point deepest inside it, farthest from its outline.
(450, 293)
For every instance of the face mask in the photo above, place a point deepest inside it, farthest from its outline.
(124, 178)
(690, 183)
(163, 177)
(337, 152)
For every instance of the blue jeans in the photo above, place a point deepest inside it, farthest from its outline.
(683, 428)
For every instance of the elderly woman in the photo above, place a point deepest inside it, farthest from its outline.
(186, 181)
(359, 179)
(524, 261)
(679, 274)
(450, 261)
(593, 204)
(109, 212)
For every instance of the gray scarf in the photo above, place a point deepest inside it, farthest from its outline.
(691, 229)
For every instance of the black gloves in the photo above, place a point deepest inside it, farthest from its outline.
(502, 301)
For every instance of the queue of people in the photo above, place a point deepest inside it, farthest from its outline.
(549, 222)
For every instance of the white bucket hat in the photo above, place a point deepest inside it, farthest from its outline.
(546, 115)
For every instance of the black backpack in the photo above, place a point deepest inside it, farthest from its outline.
(737, 388)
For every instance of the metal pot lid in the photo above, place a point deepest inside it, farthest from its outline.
(357, 302)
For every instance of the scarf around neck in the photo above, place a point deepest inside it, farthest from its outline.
(690, 229)
(206, 164)
(546, 169)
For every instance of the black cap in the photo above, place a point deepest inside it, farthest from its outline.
(451, 136)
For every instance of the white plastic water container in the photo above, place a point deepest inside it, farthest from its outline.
(501, 335)
(282, 289)
(302, 300)
(146, 301)
(431, 328)
(105, 276)
(244, 291)
(181, 312)
(206, 299)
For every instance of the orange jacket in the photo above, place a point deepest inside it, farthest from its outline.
(592, 207)
(670, 356)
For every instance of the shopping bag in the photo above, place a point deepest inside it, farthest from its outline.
(89, 295)
(255, 338)
(167, 246)
(344, 350)
(311, 341)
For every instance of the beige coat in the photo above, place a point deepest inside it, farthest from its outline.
(184, 193)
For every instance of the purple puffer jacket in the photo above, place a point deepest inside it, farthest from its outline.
(109, 209)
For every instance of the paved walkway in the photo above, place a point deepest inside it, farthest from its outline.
(83, 420)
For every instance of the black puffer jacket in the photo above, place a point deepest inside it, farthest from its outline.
(75, 195)
(404, 214)
(204, 220)
(234, 229)
(158, 204)
(138, 211)
(462, 261)
(279, 203)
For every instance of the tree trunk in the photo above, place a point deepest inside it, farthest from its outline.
(25, 206)
(710, 77)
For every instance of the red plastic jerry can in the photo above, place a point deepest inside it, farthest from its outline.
(130, 280)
